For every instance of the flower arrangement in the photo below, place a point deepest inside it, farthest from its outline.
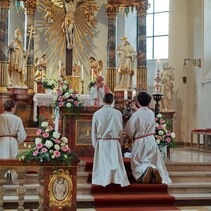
(49, 83)
(67, 98)
(163, 136)
(49, 146)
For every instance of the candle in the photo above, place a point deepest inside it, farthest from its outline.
(50, 73)
(133, 93)
(125, 94)
(158, 64)
(82, 72)
(92, 75)
(60, 65)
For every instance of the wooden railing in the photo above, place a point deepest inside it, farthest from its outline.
(45, 173)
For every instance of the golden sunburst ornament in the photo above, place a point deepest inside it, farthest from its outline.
(70, 22)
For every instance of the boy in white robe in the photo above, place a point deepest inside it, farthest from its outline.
(146, 160)
(107, 131)
(12, 133)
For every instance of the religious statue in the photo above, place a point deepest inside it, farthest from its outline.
(95, 67)
(69, 20)
(40, 67)
(127, 56)
(76, 19)
(49, 13)
(90, 14)
(62, 71)
(167, 78)
(17, 61)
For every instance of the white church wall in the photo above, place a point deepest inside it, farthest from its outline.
(178, 50)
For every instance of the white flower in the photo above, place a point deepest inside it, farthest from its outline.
(48, 144)
(65, 156)
(159, 116)
(50, 83)
(64, 140)
(64, 87)
(66, 82)
(56, 134)
(173, 135)
(38, 140)
(160, 132)
(157, 141)
(68, 105)
(53, 156)
(55, 97)
(66, 95)
(156, 124)
(44, 124)
(56, 147)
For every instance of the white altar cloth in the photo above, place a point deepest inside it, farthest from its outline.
(44, 99)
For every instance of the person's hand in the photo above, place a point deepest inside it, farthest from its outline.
(133, 106)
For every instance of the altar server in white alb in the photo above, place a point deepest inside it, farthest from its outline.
(107, 132)
(12, 133)
(146, 160)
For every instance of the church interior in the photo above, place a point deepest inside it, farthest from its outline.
(72, 43)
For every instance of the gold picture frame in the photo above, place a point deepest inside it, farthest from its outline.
(83, 132)
(60, 189)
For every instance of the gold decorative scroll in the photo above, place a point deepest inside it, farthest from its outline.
(60, 189)
(112, 11)
(30, 6)
(115, 6)
(4, 4)
(142, 8)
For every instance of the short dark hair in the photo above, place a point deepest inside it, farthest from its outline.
(108, 98)
(9, 104)
(144, 98)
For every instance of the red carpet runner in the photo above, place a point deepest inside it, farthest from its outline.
(137, 196)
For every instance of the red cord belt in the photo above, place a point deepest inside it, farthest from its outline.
(2, 136)
(107, 138)
(150, 134)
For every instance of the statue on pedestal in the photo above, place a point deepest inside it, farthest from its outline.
(40, 67)
(95, 67)
(167, 78)
(127, 56)
(17, 60)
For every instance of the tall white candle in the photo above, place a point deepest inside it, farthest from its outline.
(92, 75)
(158, 64)
(133, 93)
(50, 73)
(82, 72)
(125, 94)
(60, 66)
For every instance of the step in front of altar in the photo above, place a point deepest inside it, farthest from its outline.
(191, 186)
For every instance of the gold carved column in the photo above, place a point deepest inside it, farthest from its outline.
(4, 11)
(111, 11)
(30, 8)
(141, 79)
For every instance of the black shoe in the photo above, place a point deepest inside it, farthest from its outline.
(147, 175)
